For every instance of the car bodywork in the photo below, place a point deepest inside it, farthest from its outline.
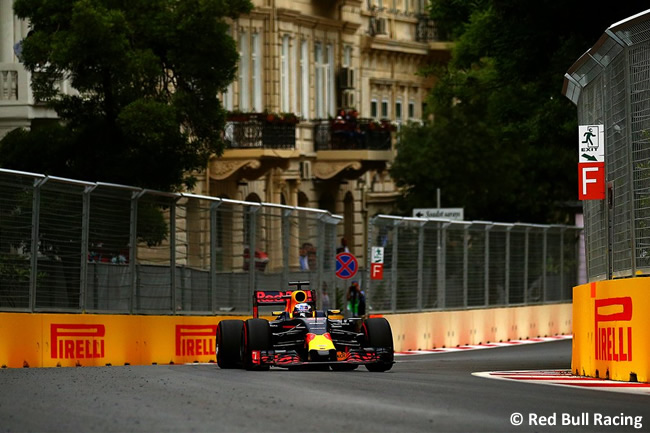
(323, 339)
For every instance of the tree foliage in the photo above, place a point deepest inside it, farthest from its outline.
(502, 143)
(147, 75)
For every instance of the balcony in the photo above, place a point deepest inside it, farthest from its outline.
(348, 146)
(426, 30)
(260, 131)
(353, 134)
(255, 144)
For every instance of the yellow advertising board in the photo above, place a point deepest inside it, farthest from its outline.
(66, 340)
(611, 324)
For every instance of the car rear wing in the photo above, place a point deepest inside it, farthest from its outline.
(286, 298)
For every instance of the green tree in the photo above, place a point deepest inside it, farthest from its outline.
(502, 143)
(147, 75)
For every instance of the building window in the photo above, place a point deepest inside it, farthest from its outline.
(411, 109)
(320, 87)
(304, 79)
(294, 76)
(398, 110)
(331, 81)
(384, 108)
(257, 72)
(347, 56)
(244, 73)
(284, 75)
(373, 108)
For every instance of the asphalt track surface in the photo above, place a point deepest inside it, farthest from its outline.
(422, 393)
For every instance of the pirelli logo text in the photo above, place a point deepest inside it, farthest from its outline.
(75, 341)
(613, 343)
(195, 340)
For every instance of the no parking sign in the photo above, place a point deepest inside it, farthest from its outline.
(346, 266)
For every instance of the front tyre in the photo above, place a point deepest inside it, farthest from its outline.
(256, 338)
(229, 333)
(378, 335)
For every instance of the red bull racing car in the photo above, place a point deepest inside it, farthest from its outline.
(301, 336)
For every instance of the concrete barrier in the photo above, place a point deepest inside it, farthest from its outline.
(611, 327)
(66, 340)
(418, 331)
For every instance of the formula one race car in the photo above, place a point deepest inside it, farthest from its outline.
(301, 336)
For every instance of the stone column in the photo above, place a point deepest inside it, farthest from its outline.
(6, 31)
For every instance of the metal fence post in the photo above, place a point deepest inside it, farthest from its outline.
(544, 264)
(172, 258)
(420, 263)
(486, 264)
(526, 259)
(320, 253)
(36, 210)
(85, 229)
(252, 240)
(465, 265)
(394, 276)
(214, 208)
(441, 264)
(286, 243)
(507, 279)
(134, 302)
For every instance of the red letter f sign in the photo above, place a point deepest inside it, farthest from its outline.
(591, 179)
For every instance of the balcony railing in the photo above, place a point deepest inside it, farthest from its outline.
(426, 30)
(8, 85)
(353, 134)
(260, 130)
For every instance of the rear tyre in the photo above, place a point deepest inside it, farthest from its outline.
(256, 337)
(379, 335)
(229, 334)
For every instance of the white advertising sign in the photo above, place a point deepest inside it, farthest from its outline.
(451, 213)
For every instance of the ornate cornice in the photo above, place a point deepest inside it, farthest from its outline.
(220, 170)
(327, 170)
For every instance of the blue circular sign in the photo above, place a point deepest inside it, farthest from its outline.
(346, 265)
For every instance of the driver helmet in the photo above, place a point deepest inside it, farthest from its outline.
(302, 310)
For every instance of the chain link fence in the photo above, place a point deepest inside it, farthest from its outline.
(610, 84)
(71, 246)
(433, 264)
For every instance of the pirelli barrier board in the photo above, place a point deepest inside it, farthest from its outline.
(611, 325)
(66, 340)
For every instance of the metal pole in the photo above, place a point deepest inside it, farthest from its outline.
(36, 211)
(252, 226)
(526, 248)
(465, 266)
(172, 258)
(507, 282)
(394, 277)
(286, 245)
(213, 252)
(133, 239)
(486, 264)
(420, 264)
(85, 229)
